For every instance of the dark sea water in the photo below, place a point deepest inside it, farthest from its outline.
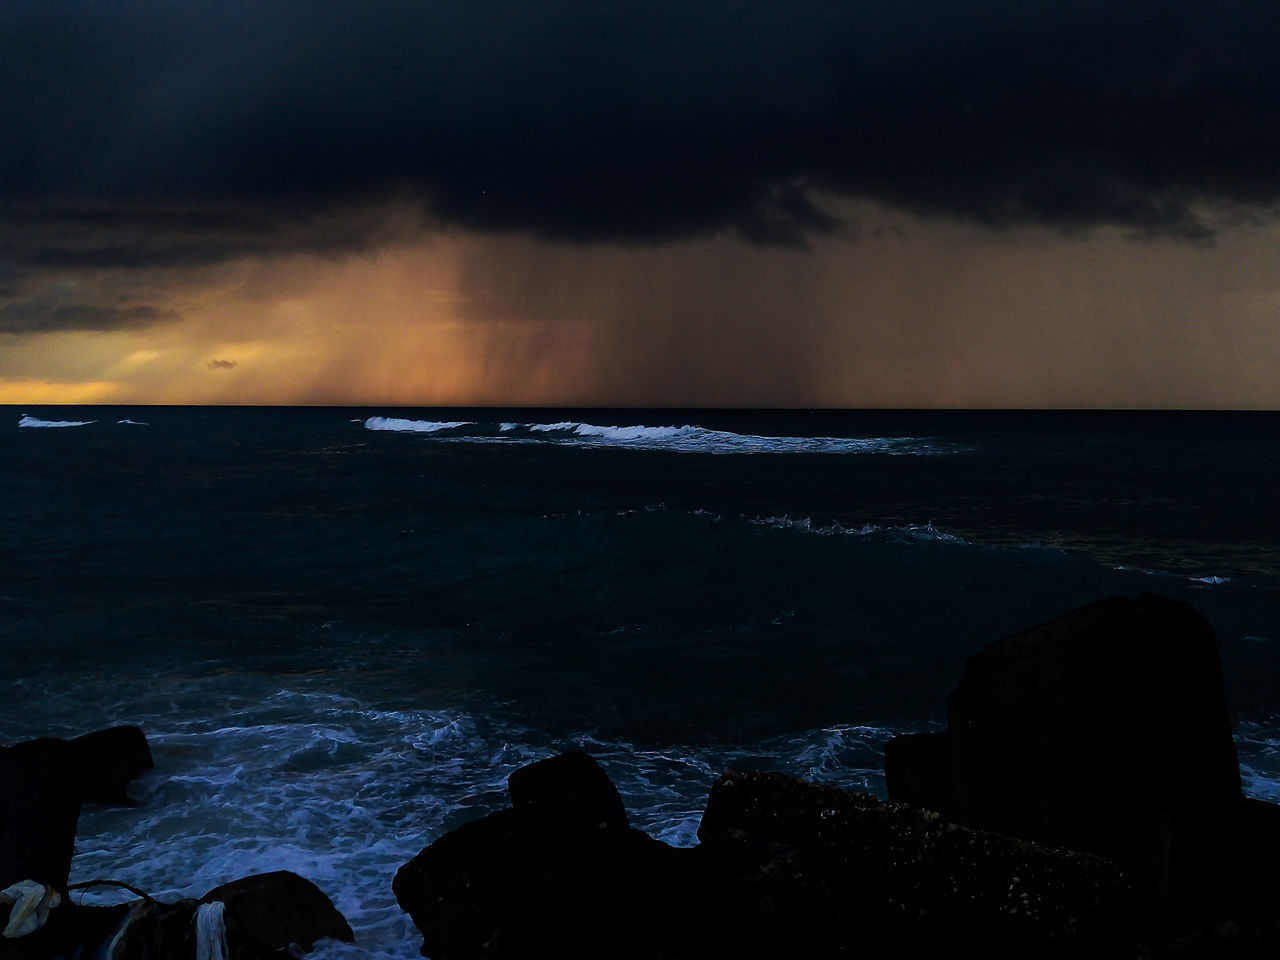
(342, 629)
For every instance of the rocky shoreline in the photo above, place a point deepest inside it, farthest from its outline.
(1047, 820)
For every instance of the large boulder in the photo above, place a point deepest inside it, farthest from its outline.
(140, 930)
(1105, 730)
(260, 917)
(71, 930)
(536, 881)
(153, 929)
(42, 785)
(561, 873)
(838, 873)
(109, 760)
(917, 770)
(273, 912)
(39, 809)
(569, 782)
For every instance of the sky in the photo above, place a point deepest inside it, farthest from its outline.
(868, 203)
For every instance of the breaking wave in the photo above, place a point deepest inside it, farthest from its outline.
(400, 425)
(29, 421)
(687, 438)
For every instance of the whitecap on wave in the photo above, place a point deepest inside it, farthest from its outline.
(29, 421)
(686, 438)
(401, 425)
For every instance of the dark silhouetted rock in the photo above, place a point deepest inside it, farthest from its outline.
(560, 873)
(268, 912)
(109, 761)
(917, 770)
(39, 809)
(142, 930)
(157, 930)
(537, 880)
(42, 785)
(1248, 885)
(1105, 730)
(572, 782)
(266, 916)
(785, 868)
(71, 928)
(877, 879)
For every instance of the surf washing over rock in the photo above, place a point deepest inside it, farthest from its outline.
(342, 641)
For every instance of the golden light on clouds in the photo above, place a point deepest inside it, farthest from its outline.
(917, 314)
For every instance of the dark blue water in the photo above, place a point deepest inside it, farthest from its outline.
(343, 628)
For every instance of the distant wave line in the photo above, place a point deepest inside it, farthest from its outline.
(686, 438)
(29, 421)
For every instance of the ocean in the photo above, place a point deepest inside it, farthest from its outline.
(343, 628)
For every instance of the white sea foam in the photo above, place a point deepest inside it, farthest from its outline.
(344, 793)
(401, 425)
(314, 783)
(913, 532)
(685, 438)
(29, 421)
(807, 525)
(133, 423)
(929, 532)
(640, 434)
(1259, 750)
(562, 426)
(1208, 581)
(850, 755)
(211, 931)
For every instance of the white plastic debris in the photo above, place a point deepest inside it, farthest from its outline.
(32, 902)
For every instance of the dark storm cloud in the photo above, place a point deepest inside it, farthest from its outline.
(33, 303)
(143, 232)
(140, 132)
(35, 315)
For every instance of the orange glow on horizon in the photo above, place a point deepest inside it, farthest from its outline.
(37, 392)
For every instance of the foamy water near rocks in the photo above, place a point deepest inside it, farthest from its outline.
(1043, 822)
